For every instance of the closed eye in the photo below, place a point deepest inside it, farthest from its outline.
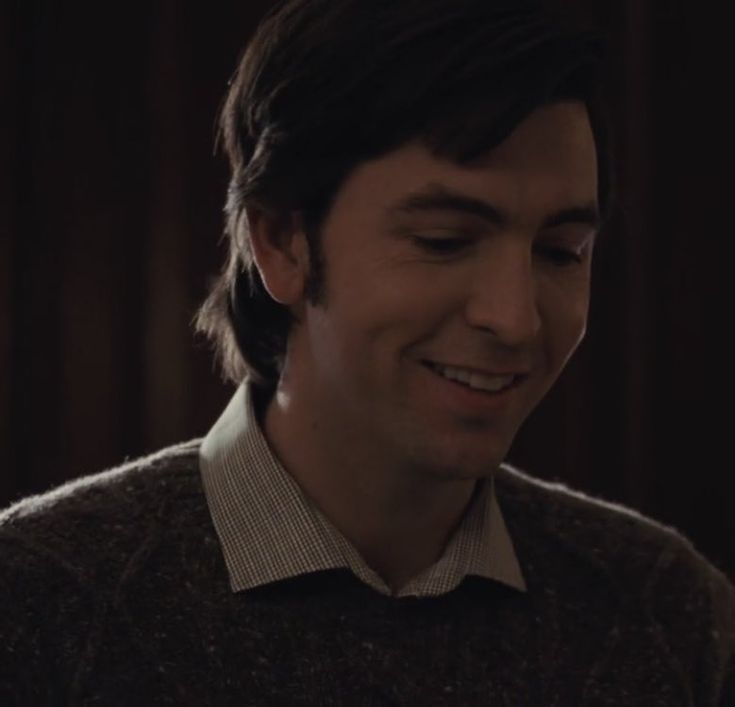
(450, 246)
(441, 246)
(560, 256)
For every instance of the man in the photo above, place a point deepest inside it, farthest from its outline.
(416, 192)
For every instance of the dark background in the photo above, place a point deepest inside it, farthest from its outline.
(110, 223)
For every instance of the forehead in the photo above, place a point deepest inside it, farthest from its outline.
(546, 164)
(552, 138)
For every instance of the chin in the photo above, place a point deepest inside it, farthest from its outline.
(447, 464)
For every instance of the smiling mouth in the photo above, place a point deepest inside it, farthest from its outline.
(472, 380)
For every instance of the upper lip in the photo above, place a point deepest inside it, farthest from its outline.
(475, 369)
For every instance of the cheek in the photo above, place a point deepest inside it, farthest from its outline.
(565, 323)
(412, 310)
(349, 333)
(392, 298)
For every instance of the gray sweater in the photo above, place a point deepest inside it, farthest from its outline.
(114, 591)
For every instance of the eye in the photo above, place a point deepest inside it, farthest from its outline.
(441, 246)
(560, 256)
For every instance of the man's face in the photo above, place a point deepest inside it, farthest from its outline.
(429, 265)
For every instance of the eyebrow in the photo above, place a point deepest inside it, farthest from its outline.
(437, 197)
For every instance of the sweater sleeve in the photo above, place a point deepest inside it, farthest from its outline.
(722, 638)
(695, 607)
(43, 624)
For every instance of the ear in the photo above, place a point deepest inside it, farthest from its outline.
(281, 254)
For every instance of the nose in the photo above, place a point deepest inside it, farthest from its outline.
(502, 296)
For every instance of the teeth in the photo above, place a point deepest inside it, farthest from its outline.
(478, 381)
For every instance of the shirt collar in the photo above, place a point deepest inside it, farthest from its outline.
(270, 530)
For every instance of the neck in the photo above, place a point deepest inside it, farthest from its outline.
(397, 518)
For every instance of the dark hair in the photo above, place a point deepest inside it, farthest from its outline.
(327, 84)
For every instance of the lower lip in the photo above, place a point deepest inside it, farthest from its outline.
(462, 396)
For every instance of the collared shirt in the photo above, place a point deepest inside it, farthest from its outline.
(271, 530)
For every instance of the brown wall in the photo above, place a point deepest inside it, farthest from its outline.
(110, 217)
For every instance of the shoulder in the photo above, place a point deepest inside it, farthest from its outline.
(608, 534)
(565, 514)
(133, 479)
(103, 512)
(67, 555)
(587, 545)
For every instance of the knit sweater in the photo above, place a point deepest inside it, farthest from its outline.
(114, 591)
